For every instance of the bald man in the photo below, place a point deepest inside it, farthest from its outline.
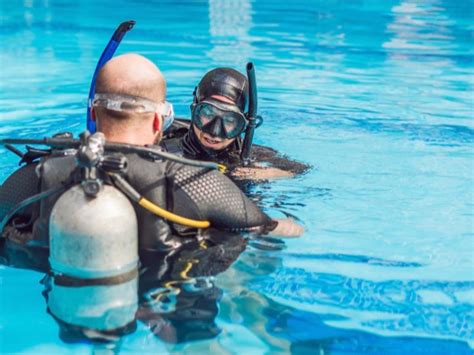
(129, 107)
(140, 83)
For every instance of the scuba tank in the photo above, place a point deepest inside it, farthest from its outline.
(93, 237)
(93, 230)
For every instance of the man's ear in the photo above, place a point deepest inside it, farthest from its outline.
(93, 114)
(157, 122)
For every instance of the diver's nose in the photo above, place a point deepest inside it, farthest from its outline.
(215, 128)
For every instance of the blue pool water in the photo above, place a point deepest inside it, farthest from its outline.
(376, 95)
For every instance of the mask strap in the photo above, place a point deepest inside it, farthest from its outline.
(195, 101)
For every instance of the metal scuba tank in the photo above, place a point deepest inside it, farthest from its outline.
(93, 227)
(93, 237)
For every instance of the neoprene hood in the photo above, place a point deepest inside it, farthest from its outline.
(225, 82)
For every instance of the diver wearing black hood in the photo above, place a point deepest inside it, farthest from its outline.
(218, 119)
(220, 114)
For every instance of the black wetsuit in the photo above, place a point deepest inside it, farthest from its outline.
(194, 307)
(195, 193)
(180, 139)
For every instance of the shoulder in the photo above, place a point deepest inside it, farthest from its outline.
(178, 129)
(23, 183)
(21, 180)
(172, 145)
(204, 186)
(185, 174)
(172, 140)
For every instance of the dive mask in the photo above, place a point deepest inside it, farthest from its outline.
(121, 102)
(218, 119)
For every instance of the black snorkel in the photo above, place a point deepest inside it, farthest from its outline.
(254, 120)
(108, 53)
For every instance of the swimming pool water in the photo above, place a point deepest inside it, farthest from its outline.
(376, 95)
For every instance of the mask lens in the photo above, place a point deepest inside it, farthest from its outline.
(202, 115)
(232, 122)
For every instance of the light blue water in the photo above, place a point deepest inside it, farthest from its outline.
(376, 95)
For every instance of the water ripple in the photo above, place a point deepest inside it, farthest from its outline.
(417, 307)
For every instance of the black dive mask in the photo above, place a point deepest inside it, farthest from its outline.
(218, 118)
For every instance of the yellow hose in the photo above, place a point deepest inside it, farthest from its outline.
(150, 206)
(222, 168)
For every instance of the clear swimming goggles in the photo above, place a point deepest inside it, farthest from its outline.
(218, 118)
(121, 102)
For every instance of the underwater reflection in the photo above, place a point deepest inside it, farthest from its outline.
(173, 294)
(99, 312)
(299, 311)
(179, 299)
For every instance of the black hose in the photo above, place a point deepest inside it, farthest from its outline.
(128, 148)
(68, 143)
(253, 99)
(251, 115)
(14, 150)
(64, 143)
(30, 200)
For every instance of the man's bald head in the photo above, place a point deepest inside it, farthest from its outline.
(132, 74)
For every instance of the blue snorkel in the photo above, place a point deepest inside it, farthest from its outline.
(108, 53)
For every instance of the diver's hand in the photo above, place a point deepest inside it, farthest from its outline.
(287, 228)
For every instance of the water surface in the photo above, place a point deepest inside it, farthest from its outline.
(376, 96)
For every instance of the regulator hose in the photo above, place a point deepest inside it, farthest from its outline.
(29, 201)
(135, 196)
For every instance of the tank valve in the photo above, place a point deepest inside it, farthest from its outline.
(89, 155)
(92, 187)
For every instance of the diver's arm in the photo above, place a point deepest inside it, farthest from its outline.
(287, 227)
(269, 164)
(260, 173)
(209, 195)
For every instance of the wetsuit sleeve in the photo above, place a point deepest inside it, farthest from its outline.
(19, 186)
(209, 195)
(270, 157)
